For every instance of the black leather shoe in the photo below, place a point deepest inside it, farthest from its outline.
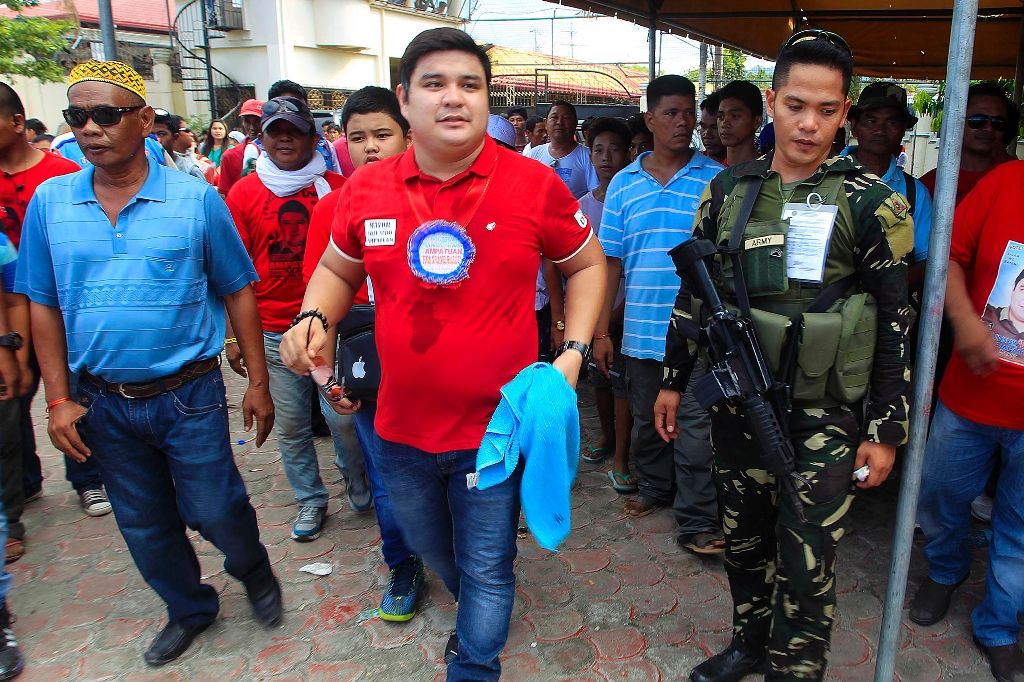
(267, 605)
(931, 602)
(1006, 662)
(172, 642)
(738, 659)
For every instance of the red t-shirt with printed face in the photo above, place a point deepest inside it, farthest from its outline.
(274, 230)
(319, 239)
(988, 243)
(446, 351)
(17, 189)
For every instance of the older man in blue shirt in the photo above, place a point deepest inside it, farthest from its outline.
(129, 267)
(649, 208)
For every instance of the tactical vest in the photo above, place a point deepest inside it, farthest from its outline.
(834, 349)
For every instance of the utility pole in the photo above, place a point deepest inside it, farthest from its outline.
(702, 72)
(553, 36)
(107, 30)
(536, 39)
(718, 70)
(572, 42)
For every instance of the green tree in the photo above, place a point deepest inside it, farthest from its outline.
(734, 65)
(28, 45)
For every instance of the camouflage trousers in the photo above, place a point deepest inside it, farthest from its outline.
(782, 571)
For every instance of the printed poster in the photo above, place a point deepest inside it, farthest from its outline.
(1004, 310)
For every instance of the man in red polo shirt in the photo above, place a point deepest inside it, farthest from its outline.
(271, 208)
(453, 251)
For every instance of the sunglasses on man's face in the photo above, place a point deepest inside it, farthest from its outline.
(978, 121)
(808, 34)
(77, 117)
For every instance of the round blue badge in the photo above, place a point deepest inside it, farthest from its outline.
(440, 253)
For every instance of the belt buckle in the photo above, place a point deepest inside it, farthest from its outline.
(120, 389)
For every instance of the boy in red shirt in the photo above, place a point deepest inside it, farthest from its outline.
(271, 208)
(979, 419)
(453, 254)
(374, 130)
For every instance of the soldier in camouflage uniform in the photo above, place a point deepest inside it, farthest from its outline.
(781, 570)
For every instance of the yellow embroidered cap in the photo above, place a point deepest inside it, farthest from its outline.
(115, 73)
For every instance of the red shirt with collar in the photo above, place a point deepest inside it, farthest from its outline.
(987, 230)
(230, 168)
(446, 351)
(16, 189)
(319, 238)
(274, 231)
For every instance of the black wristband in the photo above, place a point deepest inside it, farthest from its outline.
(310, 313)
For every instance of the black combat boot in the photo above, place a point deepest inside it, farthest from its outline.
(738, 659)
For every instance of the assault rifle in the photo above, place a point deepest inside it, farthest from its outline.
(739, 373)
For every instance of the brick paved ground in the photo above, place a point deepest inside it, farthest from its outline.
(620, 602)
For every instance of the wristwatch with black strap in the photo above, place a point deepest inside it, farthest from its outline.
(11, 340)
(578, 346)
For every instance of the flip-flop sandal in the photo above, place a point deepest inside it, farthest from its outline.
(594, 455)
(15, 549)
(704, 543)
(641, 506)
(623, 483)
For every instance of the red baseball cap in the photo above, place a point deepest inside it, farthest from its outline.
(251, 107)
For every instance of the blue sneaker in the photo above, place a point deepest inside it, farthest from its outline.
(308, 523)
(399, 602)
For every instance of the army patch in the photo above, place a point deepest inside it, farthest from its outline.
(894, 214)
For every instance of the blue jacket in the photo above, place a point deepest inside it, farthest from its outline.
(538, 417)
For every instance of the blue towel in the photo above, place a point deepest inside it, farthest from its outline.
(538, 417)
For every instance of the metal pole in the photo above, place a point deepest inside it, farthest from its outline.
(652, 45)
(210, 89)
(1018, 82)
(107, 30)
(958, 73)
(702, 71)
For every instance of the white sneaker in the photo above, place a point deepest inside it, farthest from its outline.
(94, 502)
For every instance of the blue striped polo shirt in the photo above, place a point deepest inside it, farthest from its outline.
(642, 220)
(143, 298)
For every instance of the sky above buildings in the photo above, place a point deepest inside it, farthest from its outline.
(604, 40)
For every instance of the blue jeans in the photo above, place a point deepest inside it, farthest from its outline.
(958, 460)
(392, 544)
(292, 404)
(467, 536)
(167, 463)
(5, 577)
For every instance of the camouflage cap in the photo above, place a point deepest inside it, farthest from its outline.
(884, 94)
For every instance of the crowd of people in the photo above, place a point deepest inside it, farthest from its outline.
(449, 249)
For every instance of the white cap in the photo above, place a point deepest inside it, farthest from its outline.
(501, 130)
(237, 135)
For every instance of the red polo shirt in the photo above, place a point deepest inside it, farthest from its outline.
(17, 189)
(988, 243)
(274, 231)
(319, 238)
(446, 351)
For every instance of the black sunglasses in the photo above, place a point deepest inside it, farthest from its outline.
(818, 34)
(978, 121)
(77, 117)
(287, 104)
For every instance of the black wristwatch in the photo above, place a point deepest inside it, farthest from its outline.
(578, 346)
(11, 340)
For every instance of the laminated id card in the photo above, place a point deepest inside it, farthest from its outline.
(810, 231)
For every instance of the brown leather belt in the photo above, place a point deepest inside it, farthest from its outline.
(192, 370)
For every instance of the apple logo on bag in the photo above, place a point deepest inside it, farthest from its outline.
(359, 368)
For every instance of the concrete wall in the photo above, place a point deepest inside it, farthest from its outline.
(343, 44)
